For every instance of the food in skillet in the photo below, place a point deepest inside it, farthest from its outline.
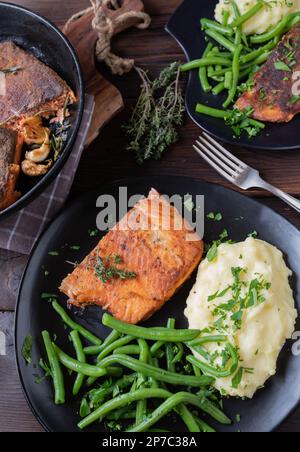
(271, 97)
(10, 154)
(233, 58)
(33, 104)
(137, 267)
(242, 298)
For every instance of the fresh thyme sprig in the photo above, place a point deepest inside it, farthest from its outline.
(160, 107)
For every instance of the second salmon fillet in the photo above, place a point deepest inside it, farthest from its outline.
(132, 273)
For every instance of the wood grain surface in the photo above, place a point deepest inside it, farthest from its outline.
(107, 160)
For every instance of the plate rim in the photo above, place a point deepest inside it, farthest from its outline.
(233, 142)
(121, 182)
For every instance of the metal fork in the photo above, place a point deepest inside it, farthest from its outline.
(236, 171)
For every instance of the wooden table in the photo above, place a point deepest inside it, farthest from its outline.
(107, 160)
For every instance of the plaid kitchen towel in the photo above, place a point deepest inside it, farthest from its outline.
(20, 231)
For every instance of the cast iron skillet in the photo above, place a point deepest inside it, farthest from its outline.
(241, 215)
(38, 36)
(184, 26)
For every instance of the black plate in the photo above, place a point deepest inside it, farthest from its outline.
(184, 26)
(241, 215)
(37, 35)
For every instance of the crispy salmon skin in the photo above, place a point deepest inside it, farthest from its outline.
(152, 263)
(271, 96)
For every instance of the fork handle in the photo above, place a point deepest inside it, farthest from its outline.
(290, 200)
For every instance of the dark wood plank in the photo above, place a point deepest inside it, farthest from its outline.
(15, 415)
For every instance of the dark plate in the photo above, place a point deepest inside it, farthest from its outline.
(37, 35)
(269, 407)
(184, 26)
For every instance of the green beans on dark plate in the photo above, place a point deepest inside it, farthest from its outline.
(277, 30)
(204, 62)
(154, 372)
(248, 15)
(220, 39)
(212, 25)
(173, 401)
(122, 401)
(80, 357)
(230, 369)
(127, 350)
(206, 86)
(75, 326)
(83, 368)
(235, 76)
(153, 334)
(56, 372)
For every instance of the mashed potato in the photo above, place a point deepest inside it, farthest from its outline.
(266, 17)
(261, 327)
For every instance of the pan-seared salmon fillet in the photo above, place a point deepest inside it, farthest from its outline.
(271, 96)
(31, 86)
(135, 269)
(10, 154)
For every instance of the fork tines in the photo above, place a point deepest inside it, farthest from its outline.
(219, 158)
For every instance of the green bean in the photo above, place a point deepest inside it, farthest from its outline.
(203, 72)
(56, 372)
(278, 30)
(203, 62)
(156, 347)
(153, 334)
(92, 350)
(224, 42)
(80, 357)
(83, 368)
(226, 15)
(169, 349)
(153, 362)
(96, 349)
(238, 21)
(258, 52)
(168, 405)
(204, 426)
(188, 418)
(196, 370)
(178, 357)
(257, 62)
(105, 391)
(123, 413)
(211, 70)
(212, 371)
(218, 88)
(212, 25)
(122, 401)
(217, 53)
(116, 344)
(141, 406)
(206, 340)
(158, 374)
(238, 32)
(127, 350)
(235, 76)
(253, 122)
(228, 80)
(209, 111)
(75, 326)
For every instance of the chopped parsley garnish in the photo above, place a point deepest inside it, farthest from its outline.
(253, 234)
(106, 272)
(27, 349)
(75, 247)
(93, 232)
(214, 216)
(281, 66)
(53, 253)
(237, 378)
(212, 250)
(241, 121)
(294, 99)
